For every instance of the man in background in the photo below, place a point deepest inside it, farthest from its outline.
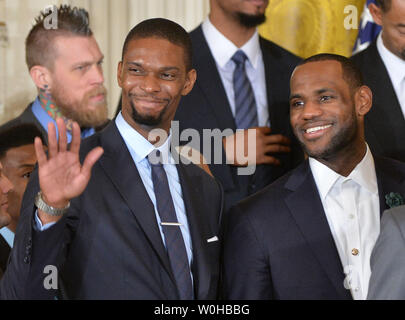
(17, 155)
(383, 67)
(242, 82)
(5, 187)
(65, 65)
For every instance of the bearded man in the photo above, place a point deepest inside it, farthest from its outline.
(66, 66)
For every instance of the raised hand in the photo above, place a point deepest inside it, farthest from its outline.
(61, 175)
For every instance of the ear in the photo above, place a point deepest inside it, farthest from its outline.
(190, 80)
(119, 70)
(376, 13)
(41, 76)
(363, 100)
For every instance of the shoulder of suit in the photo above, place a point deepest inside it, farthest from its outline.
(397, 217)
(269, 47)
(25, 116)
(363, 56)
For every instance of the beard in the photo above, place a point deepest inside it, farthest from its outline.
(81, 112)
(251, 20)
(146, 120)
(341, 140)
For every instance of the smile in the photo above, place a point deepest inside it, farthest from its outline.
(316, 129)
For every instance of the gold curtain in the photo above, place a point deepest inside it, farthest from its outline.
(308, 27)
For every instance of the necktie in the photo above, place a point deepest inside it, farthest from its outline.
(176, 249)
(245, 104)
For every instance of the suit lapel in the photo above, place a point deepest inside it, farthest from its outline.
(209, 81)
(388, 181)
(198, 230)
(385, 103)
(121, 169)
(306, 207)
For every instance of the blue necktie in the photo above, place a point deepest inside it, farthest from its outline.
(175, 246)
(245, 104)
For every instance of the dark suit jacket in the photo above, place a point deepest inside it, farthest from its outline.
(207, 107)
(108, 246)
(4, 253)
(278, 243)
(385, 123)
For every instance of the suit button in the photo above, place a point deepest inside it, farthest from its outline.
(26, 260)
(355, 252)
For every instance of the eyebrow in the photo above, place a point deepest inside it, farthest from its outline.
(317, 92)
(162, 69)
(87, 63)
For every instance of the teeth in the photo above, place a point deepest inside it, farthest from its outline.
(314, 129)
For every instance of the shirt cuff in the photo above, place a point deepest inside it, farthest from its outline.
(38, 224)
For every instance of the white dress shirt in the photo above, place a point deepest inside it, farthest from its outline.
(222, 50)
(352, 208)
(396, 70)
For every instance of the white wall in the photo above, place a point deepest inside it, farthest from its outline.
(110, 21)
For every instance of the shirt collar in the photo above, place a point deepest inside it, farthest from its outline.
(224, 52)
(140, 146)
(8, 235)
(394, 64)
(363, 174)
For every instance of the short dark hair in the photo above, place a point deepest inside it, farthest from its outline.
(165, 29)
(351, 73)
(39, 44)
(385, 5)
(18, 135)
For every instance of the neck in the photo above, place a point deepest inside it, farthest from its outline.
(231, 28)
(152, 134)
(49, 105)
(12, 226)
(346, 159)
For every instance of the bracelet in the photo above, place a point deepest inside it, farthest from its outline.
(42, 205)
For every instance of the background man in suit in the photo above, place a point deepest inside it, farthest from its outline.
(65, 65)
(242, 83)
(125, 235)
(383, 68)
(17, 155)
(5, 187)
(387, 280)
(297, 238)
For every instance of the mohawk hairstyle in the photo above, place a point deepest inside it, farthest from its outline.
(39, 44)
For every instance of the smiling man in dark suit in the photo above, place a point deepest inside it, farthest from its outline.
(383, 68)
(310, 234)
(135, 229)
(242, 83)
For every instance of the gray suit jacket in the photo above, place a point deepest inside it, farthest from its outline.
(388, 258)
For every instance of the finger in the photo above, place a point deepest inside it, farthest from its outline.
(276, 148)
(62, 134)
(52, 141)
(39, 151)
(264, 130)
(270, 160)
(75, 143)
(91, 159)
(276, 139)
